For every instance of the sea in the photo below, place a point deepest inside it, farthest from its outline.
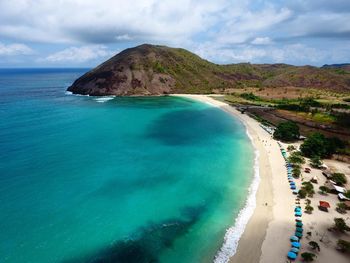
(117, 179)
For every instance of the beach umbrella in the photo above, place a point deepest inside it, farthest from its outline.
(295, 250)
(294, 239)
(291, 255)
(298, 213)
(299, 229)
(299, 224)
(297, 209)
(298, 219)
(295, 191)
(292, 187)
(298, 234)
(296, 244)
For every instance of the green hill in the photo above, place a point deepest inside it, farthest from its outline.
(155, 70)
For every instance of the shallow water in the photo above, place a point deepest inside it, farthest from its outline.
(85, 179)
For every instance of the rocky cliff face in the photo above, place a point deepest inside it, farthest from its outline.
(157, 70)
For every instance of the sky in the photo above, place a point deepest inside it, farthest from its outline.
(84, 33)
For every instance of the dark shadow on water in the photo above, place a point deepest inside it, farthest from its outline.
(145, 245)
(185, 127)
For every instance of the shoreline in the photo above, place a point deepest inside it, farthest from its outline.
(269, 220)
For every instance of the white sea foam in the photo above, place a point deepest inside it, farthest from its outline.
(68, 92)
(234, 233)
(104, 99)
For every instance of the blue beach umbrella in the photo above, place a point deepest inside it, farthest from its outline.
(299, 224)
(294, 239)
(291, 255)
(295, 250)
(298, 213)
(296, 244)
(292, 187)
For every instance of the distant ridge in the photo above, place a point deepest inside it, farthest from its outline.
(156, 70)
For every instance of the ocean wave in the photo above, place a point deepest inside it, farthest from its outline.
(104, 99)
(68, 92)
(234, 233)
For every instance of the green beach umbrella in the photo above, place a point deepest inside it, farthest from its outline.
(299, 224)
(298, 234)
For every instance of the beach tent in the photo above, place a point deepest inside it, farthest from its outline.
(340, 189)
(298, 220)
(294, 239)
(291, 255)
(324, 206)
(299, 224)
(295, 250)
(296, 244)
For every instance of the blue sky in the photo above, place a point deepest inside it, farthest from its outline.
(84, 33)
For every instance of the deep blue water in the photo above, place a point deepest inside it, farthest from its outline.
(86, 179)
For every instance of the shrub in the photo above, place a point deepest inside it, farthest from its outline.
(343, 245)
(296, 158)
(309, 209)
(315, 162)
(290, 148)
(347, 194)
(250, 96)
(314, 245)
(302, 193)
(340, 225)
(287, 131)
(324, 189)
(341, 208)
(339, 178)
(308, 257)
(296, 172)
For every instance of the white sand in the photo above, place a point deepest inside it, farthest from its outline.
(267, 233)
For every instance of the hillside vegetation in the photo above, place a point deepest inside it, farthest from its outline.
(156, 70)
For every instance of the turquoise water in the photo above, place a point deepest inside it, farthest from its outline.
(123, 180)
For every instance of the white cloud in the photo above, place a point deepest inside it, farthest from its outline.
(104, 21)
(261, 41)
(80, 54)
(14, 49)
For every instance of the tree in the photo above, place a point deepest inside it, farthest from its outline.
(287, 131)
(340, 225)
(315, 162)
(290, 148)
(309, 188)
(302, 193)
(314, 245)
(296, 158)
(341, 208)
(296, 172)
(307, 201)
(343, 245)
(314, 145)
(347, 194)
(309, 209)
(324, 189)
(339, 178)
(308, 257)
(318, 145)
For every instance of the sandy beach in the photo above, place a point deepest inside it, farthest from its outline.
(266, 235)
(273, 217)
